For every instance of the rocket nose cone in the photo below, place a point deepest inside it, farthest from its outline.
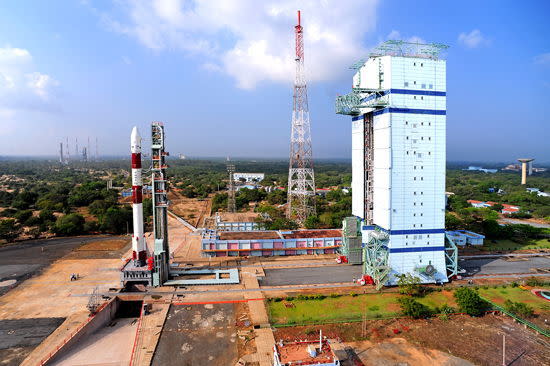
(135, 134)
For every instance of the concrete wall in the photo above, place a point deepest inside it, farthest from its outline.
(103, 317)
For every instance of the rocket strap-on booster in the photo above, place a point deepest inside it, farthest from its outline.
(139, 248)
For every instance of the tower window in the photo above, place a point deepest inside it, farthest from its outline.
(406, 83)
(422, 98)
(422, 65)
(423, 86)
(414, 82)
(414, 64)
(415, 97)
(431, 86)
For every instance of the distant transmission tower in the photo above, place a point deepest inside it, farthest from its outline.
(301, 181)
(231, 207)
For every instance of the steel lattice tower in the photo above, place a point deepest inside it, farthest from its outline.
(231, 207)
(301, 181)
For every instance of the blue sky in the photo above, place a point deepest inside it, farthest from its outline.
(219, 73)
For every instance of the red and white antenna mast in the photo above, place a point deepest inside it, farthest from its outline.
(301, 181)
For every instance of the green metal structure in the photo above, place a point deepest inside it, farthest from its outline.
(451, 256)
(161, 269)
(352, 240)
(375, 260)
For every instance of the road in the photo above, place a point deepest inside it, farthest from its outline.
(310, 275)
(534, 224)
(345, 273)
(23, 260)
(502, 266)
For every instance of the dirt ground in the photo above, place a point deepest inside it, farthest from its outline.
(398, 351)
(50, 293)
(477, 340)
(193, 210)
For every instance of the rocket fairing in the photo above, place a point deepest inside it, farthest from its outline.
(139, 248)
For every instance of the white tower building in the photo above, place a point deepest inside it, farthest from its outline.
(398, 104)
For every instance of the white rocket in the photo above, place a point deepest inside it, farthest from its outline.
(139, 247)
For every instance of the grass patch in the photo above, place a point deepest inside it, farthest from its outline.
(348, 307)
(515, 294)
(510, 245)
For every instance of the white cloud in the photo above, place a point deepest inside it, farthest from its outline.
(20, 86)
(250, 40)
(473, 39)
(396, 35)
(543, 59)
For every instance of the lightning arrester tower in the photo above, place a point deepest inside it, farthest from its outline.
(301, 181)
(231, 206)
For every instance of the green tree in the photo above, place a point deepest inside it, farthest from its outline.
(470, 302)
(312, 222)
(117, 220)
(70, 224)
(23, 215)
(452, 222)
(411, 307)
(46, 216)
(409, 285)
(519, 308)
(9, 229)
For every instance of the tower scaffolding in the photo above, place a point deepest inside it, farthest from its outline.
(301, 181)
(161, 270)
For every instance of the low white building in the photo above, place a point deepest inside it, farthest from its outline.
(248, 177)
(463, 237)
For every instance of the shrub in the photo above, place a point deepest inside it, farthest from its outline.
(290, 298)
(409, 285)
(334, 296)
(354, 294)
(519, 308)
(23, 215)
(71, 224)
(446, 310)
(534, 282)
(278, 299)
(310, 331)
(411, 307)
(470, 302)
(374, 308)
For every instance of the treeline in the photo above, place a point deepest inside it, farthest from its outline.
(55, 208)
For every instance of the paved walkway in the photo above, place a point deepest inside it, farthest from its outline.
(149, 333)
(258, 316)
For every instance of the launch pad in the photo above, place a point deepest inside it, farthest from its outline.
(153, 269)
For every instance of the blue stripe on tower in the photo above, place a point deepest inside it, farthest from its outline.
(417, 249)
